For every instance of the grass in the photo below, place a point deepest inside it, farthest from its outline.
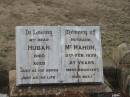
(112, 16)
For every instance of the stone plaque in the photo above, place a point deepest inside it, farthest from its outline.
(58, 54)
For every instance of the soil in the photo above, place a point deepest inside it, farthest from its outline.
(113, 16)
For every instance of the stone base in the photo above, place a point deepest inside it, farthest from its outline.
(70, 90)
(3, 95)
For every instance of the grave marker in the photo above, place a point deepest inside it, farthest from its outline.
(58, 54)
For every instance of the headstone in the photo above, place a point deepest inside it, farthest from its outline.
(58, 54)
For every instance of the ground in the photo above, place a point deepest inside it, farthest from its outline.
(112, 15)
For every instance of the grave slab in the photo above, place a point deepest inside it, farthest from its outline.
(64, 90)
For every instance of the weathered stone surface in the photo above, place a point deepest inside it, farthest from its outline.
(70, 90)
(58, 54)
(3, 95)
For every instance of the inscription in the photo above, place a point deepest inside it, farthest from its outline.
(58, 54)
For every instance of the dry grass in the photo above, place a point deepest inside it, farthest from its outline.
(112, 15)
